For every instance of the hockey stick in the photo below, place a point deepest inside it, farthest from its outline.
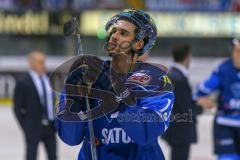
(68, 29)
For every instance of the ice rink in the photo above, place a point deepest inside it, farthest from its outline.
(12, 144)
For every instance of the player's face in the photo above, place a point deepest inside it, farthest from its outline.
(122, 35)
(236, 55)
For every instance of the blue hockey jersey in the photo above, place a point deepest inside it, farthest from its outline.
(129, 133)
(225, 79)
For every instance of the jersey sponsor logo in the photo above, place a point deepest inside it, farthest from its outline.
(115, 135)
(141, 78)
(225, 142)
(234, 104)
(235, 88)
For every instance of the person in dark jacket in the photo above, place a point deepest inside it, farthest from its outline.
(34, 108)
(182, 129)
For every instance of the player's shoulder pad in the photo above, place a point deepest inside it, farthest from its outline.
(153, 68)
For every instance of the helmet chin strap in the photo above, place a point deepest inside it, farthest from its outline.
(134, 59)
(105, 47)
(134, 54)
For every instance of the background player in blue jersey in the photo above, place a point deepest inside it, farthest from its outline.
(131, 130)
(225, 79)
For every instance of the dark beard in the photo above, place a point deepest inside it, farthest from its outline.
(106, 49)
(110, 54)
(112, 51)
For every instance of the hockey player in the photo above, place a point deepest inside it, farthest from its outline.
(225, 79)
(131, 130)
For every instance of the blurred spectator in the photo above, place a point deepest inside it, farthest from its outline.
(7, 5)
(167, 5)
(137, 4)
(34, 108)
(23, 5)
(55, 5)
(182, 130)
(111, 4)
(79, 5)
(161, 5)
(189, 5)
(236, 5)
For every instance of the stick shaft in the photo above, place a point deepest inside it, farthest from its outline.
(91, 131)
(79, 45)
(90, 122)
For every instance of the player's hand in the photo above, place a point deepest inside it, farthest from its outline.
(76, 75)
(206, 102)
(93, 66)
(85, 69)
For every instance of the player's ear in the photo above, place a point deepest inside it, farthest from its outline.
(139, 45)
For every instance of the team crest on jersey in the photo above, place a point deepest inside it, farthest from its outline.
(141, 78)
(235, 88)
(166, 80)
